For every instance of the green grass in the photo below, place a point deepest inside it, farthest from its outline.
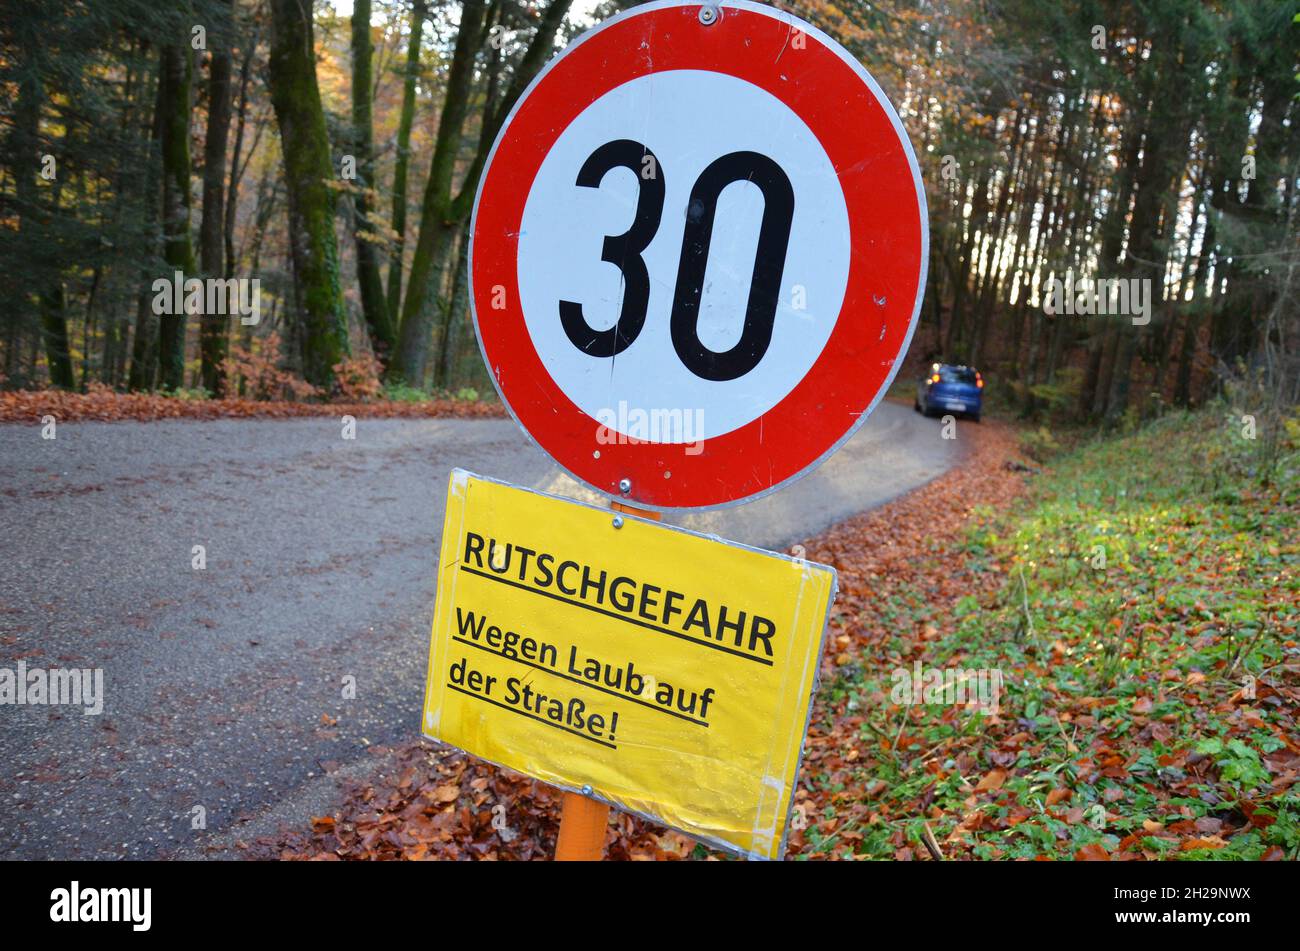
(1126, 601)
(402, 393)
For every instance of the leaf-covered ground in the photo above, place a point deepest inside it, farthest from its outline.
(1133, 602)
(1131, 598)
(104, 405)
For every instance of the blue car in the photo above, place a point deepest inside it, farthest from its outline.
(950, 389)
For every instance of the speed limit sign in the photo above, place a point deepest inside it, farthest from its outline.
(698, 253)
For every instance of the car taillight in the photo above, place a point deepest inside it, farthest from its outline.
(979, 381)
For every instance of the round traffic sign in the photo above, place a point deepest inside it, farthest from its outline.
(698, 253)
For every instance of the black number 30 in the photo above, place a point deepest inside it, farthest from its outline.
(625, 250)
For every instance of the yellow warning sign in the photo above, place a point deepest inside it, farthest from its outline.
(670, 672)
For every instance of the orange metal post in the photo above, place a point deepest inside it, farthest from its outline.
(582, 829)
(583, 821)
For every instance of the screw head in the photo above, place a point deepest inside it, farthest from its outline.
(618, 521)
(586, 790)
(625, 486)
(708, 14)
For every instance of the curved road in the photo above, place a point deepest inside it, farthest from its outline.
(224, 686)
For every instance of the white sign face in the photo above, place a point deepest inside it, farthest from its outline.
(688, 119)
(698, 253)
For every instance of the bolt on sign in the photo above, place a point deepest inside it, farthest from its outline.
(660, 670)
(698, 253)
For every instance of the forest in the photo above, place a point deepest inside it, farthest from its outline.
(330, 153)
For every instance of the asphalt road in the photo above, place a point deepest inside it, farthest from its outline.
(224, 686)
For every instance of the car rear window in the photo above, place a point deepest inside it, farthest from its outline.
(955, 375)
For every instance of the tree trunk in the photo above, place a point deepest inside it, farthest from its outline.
(1101, 341)
(144, 349)
(456, 307)
(305, 144)
(54, 328)
(418, 13)
(115, 328)
(177, 69)
(1198, 305)
(440, 213)
(373, 304)
(26, 143)
(435, 227)
(213, 328)
(236, 168)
